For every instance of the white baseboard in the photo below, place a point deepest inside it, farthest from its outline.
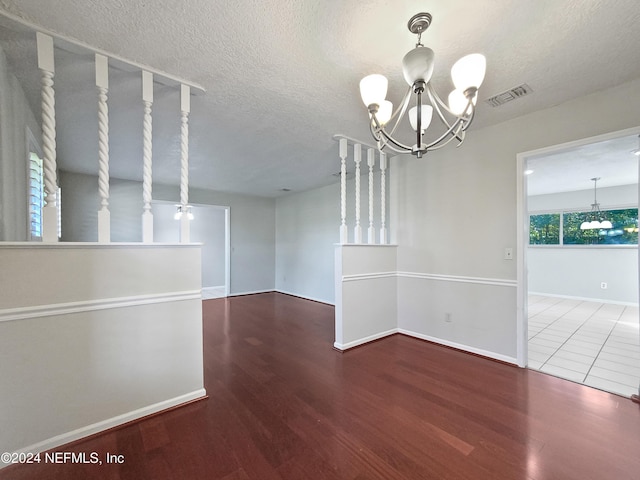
(361, 341)
(212, 289)
(314, 299)
(252, 292)
(82, 432)
(459, 346)
(585, 299)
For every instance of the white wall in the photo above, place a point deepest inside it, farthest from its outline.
(252, 223)
(306, 231)
(93, 336)
(622, 196)
(457, 212)
(15, 117)
(308, 226)
(578, 271)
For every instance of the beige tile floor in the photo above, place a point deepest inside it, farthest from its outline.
(596, 344)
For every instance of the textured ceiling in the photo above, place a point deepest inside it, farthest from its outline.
(571, 169)
(281, 76)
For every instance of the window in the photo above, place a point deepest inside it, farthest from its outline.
(546, 228)
(36, 189)
(624, 231)
(36, 196)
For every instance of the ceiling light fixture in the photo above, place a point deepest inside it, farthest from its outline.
(180, 211)
(595, 215)
(417, 65)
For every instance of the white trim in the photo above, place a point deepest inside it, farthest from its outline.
(306, 297)
(586, 299)
(212, 289)
(368, 276)
(459, 346)
(457, 278)
(365, 245)
(103, 425)
(77, 245)
(500, 282)
(38, 311)
(439, 341)
(251, 292)
(361, 341)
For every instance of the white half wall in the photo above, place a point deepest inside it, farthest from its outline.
(93, 336)
(366, 292)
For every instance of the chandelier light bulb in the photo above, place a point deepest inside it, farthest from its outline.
(469, 71)
(427, 114)
(373, 89)
(458, 102)
(385, 110)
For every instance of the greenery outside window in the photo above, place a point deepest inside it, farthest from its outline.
(544, 229)
(564, 228)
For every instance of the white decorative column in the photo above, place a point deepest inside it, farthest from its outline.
(102, 84)
(147, 101)
(357, 157)
(383, 198)
(344, 233)
(185, 108)
(371, 160)
(46, 66)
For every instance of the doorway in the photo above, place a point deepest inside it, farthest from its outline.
(209, 226)
(578, 286)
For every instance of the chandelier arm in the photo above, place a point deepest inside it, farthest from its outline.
(451, 131)
(435, 100)
(431, 147)
(393, 148)
(468, 121)
(402, 108)
(390, 139)
(384, 139)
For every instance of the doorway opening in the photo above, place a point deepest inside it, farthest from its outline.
(578, 285)
(211, 227)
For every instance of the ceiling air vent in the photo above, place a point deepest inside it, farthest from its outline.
(511, 94)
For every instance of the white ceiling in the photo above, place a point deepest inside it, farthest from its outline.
(281, 76)
(571, 169)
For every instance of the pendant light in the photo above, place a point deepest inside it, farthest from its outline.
(595, 215)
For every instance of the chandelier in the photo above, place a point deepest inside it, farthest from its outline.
(595, 215)
(417, 66)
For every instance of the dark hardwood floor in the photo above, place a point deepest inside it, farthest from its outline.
(284, 405)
